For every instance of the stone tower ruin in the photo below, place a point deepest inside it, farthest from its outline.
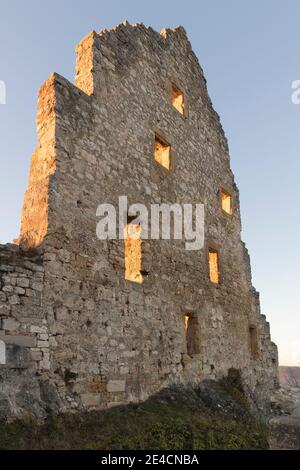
(83, 326)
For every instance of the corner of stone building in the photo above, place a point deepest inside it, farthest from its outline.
(85, 63)
(56, 96)
(34, 219)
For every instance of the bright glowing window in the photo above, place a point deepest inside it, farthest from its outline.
(162, 153)
(133, 253)
(177, 99)
(214, 269)
(226, 201)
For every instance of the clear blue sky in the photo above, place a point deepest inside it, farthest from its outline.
(250, 53)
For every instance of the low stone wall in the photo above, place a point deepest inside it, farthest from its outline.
(22, 325)
(24, 345)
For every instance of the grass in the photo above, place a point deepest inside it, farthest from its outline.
(174, 419)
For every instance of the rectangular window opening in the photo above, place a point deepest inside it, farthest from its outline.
(177, 98)
(226, 201)
(253, 342)
(191, 334)
(162, 153)
(133, 253)
(214, 268)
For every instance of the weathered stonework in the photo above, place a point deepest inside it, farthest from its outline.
(74, 332)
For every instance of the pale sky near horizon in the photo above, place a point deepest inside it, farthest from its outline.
(250, 53)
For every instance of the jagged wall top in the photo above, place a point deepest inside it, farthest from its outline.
(120, 45)
(104, 61)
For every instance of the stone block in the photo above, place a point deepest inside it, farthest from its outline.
(37, 286)
(8, 289)
(43, 336)
(2, 352)
(90, 399)
(14, 300)
(19, 340)
(42, 344)
(38, 329)
(45, 364)
(4, 310)
(116, 386)
(36, 355)
(22, 282)
(17, 357)
(19, 290)
(10, 324)
(124, 370)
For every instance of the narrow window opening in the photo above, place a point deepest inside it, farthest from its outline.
(253, 342)
(191, 334)
(177, 98)
(226, 201)
(133, 253)
(214, 268)
(162, 153)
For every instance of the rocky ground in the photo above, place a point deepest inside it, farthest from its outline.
(286, 401)
(216, 416)
(284, 433)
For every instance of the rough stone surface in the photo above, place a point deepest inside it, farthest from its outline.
(94, 337)
(285, 427)
(2, 353)
(285, 400)
(285, 433)
(23, 393)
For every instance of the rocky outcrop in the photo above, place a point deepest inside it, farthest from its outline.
(285, 428)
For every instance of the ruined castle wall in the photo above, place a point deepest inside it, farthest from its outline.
(22, 316)
(24, 339)
(112, 340)
(35, 216)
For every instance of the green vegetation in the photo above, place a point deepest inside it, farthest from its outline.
(215, 417)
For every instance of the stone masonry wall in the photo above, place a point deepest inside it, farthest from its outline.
(24, 339)
(93, 338)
